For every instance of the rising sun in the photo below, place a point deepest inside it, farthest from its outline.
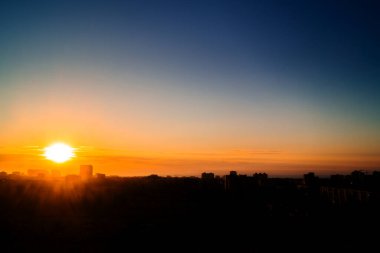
(59, 152)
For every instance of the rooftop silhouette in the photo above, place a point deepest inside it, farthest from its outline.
(107, 213)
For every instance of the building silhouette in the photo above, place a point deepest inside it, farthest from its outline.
(37, 173)
(100, 176)
(341, 196)
(231, 181)
(208, 176)
(85, 172)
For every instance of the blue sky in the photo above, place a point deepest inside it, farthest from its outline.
(311, 67)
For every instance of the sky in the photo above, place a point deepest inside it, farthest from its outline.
(182, 87)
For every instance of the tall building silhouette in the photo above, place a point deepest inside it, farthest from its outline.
(85, 172)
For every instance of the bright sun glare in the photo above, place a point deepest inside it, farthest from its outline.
(59, 152)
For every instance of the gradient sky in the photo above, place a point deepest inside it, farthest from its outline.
(181, 87)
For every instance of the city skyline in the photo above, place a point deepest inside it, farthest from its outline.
(179, 88)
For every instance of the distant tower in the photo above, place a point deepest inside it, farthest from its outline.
(85, 172)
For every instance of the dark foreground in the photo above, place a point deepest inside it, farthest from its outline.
(155, 214)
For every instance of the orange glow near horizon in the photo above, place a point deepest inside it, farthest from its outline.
(59, 152)
(142, 131)
(129, 162)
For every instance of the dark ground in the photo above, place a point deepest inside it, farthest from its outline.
(179, 215)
